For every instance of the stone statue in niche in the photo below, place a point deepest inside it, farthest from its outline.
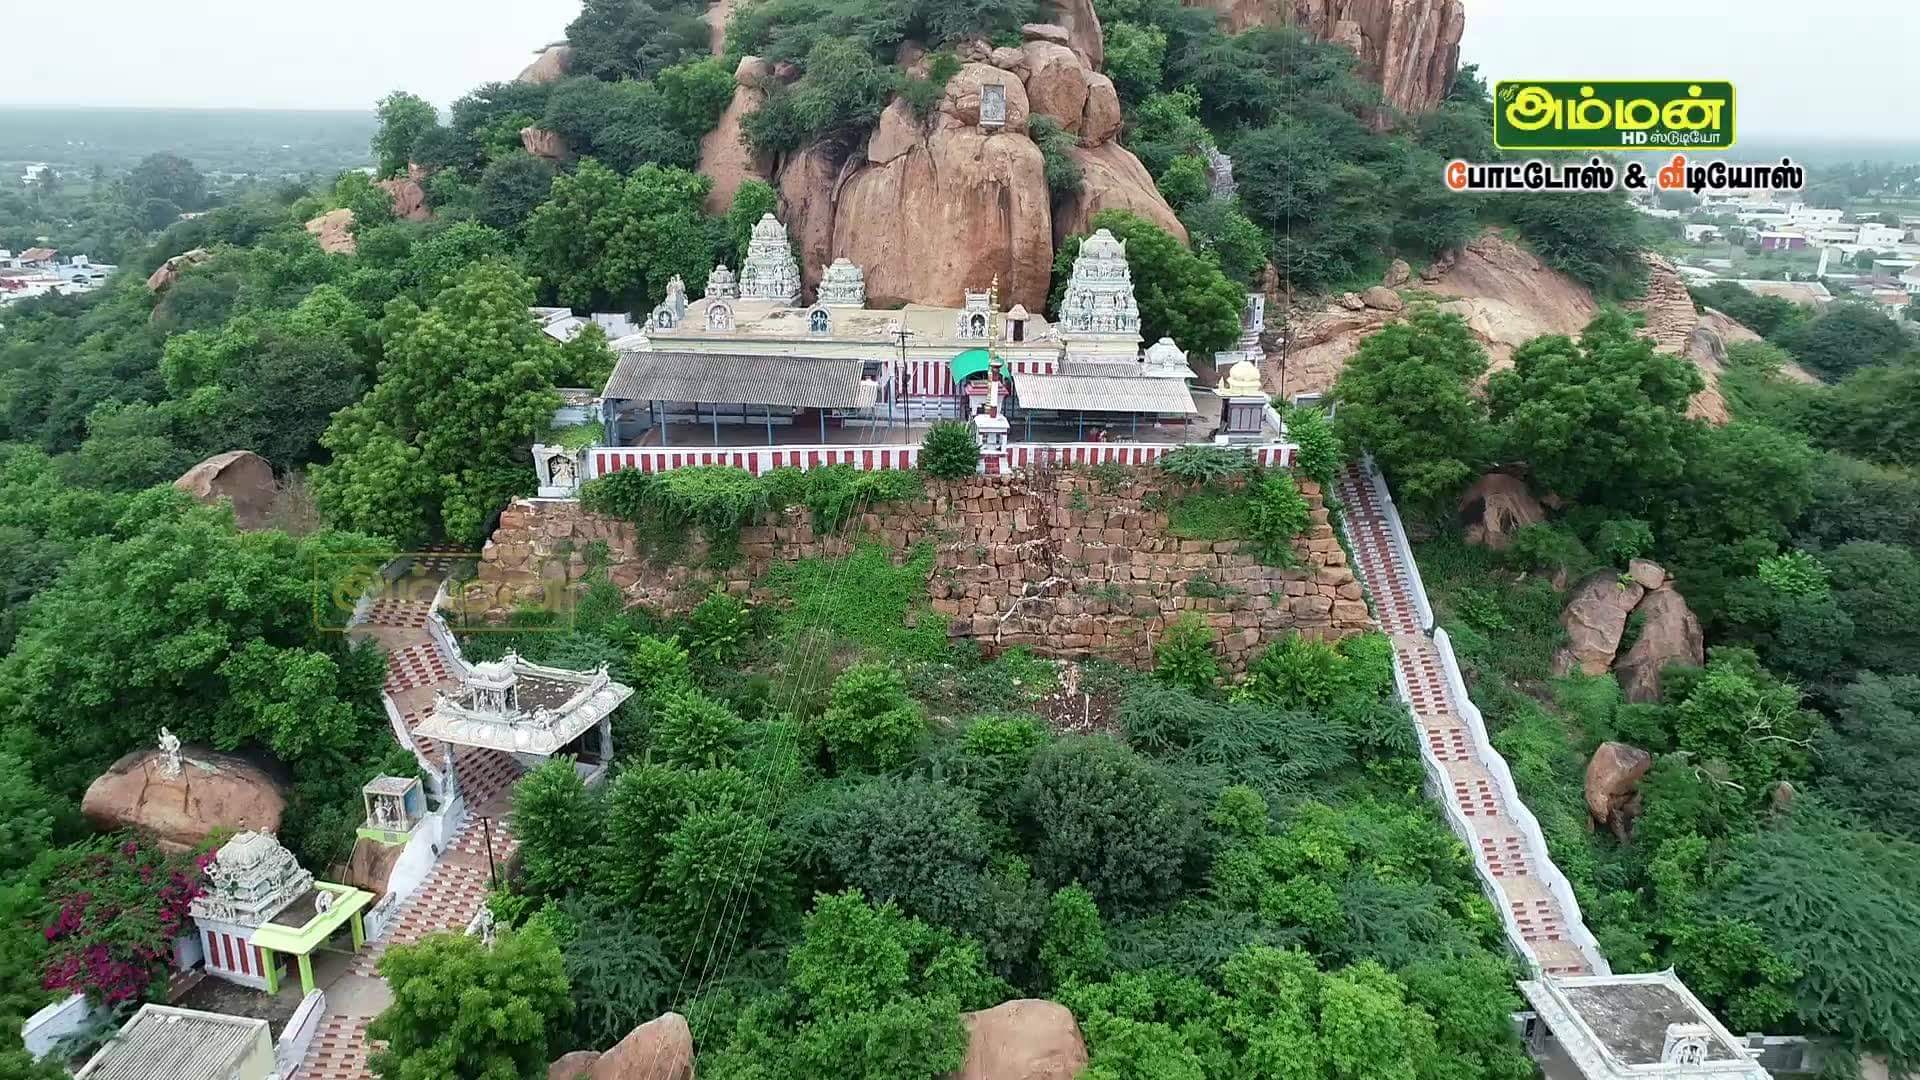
(993, 105)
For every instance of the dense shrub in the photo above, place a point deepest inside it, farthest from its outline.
(1199, 463)
(949, 451)
(1093, 812)
(1185, 655)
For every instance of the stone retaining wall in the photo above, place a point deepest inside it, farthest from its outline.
(1055, 563)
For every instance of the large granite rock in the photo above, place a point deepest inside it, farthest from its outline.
(1082, 25)
(1506, 296)
(1613, 779)
(1409, 48)
(548, 67)
(1595, 617)
(809, 183)
(1112, 179)
(1056, 82)
(1495, 507)
(724, 153)
(1669, 634)
(948, 215)
(169, 272)
(334, 231)
(1675, 327)
(409, 198)
(213, 791)
(370, 865)
(660, 1049)
(1027, 1039)
(956, 208)
(573, 1066)
(240, 476)
(546, 145)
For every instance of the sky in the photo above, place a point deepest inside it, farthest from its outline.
(1833, 68)
(268, 54)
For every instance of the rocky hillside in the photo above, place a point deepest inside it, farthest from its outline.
(1506, 296)
(930, 207)
(1409, 47)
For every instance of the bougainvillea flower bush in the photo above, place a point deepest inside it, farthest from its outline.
(118, 905)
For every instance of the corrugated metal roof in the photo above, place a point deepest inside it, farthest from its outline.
(798, 382)
(162, 1043)
(1102, 393)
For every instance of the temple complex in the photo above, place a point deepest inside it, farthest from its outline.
(748, 366)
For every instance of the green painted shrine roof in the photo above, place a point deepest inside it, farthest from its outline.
(966, 365)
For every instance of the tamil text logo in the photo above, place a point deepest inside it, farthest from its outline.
(1612, 115)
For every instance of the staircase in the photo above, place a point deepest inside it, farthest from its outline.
(1465, 774)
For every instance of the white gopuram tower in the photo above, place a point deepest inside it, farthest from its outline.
(1099, 319)
(770, 271)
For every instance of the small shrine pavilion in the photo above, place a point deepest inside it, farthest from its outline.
(260, 904)
(530, 711)
(1616, 1027)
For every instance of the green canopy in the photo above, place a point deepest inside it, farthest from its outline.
(968, 364)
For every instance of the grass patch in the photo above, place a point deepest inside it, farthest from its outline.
(864, 599)
(1208, 514)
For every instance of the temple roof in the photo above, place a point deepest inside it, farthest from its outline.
(716, 378)
(1128, 392)
(765, 319)
(553, 707)
(180, 1044)
(1617, 1026)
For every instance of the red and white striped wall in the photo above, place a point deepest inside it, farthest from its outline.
(232, 957)
(933, 378)
(602, 460)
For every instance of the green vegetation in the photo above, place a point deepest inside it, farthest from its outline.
(1773, 812)
(1182, 295)
(1407, 397)
(950, 451)
(1266, 509)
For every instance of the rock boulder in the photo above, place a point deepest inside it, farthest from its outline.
(1026, 1039)
(1669, 634)
(1594, 618)
(169, 272)
(724, 153)
(409, 198)
(1056, 82)
(1613, 779)
(1082, 25)
(1112, 179)
(1495, 507)
(946, 215)
(809, 184)
(240, 476)
(545, 144)
(573, 1066)
(550, 66)
(1409, 48)
(1381, 298)
(660, 1049)
(334, 231)
(213, 791)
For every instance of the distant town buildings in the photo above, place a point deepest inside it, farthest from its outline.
(1867, 260)
(39, 271)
